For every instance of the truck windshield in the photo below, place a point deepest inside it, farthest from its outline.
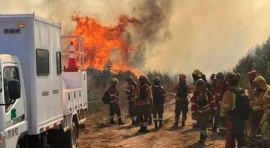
(9, 73)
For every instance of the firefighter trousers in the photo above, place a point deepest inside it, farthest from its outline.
(143, 114)
(203, 118)
(217, 118)
(131, 110)
(236, 133)
(115, 109)
(255, 121)
(181, 106)
(158, 111)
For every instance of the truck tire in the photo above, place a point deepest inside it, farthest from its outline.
(71, 137)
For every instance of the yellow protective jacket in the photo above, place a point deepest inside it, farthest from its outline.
(266, 101)
(255, 99)
(228, 102)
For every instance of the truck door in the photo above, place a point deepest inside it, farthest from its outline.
(15, 117)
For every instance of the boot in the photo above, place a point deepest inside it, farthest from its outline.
(120, 121)
(175, 123)
(160, 123)
(112, 121)
(213, 129)
(145, 129)
(141, 129)
(133, 122)
(202, 138)
(150, 120)
(156, 124)
(183, 123)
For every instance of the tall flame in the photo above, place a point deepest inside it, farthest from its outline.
(106, 45)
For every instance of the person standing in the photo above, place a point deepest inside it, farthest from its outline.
(234, 112)
(130, 92)
(143, 102)
(219, 88)
(202, 105)
(114, 107)
(158, 102)
(181, 103)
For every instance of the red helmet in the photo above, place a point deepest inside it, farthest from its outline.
(142, 78)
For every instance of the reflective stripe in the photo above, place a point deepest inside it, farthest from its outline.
(256, 108)
(206, 106)
(202, 111)
(160, 119)
(127, 90)
(225, 105)
(155, 118)
(215, 108)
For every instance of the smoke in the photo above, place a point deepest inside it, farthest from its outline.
(177, 35)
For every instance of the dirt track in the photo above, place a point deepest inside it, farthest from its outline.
(98, 134)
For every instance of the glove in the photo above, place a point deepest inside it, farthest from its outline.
(194, 116)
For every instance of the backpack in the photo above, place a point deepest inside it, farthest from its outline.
(106, 97)
(242, 107)
(182, 92)
(143, 92)
(157, 95)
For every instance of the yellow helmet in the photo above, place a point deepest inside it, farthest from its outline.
(197, 72)
(182, 75)
(259, 79)
(114, 80)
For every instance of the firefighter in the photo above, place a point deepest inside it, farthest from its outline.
(130, 92)
(220, 88)
(203, 104)
(235, 128)
(143, 103)
(158, 102)
(212, 82)
(265, 101)
(114, 107)
(255, 95)
(151, 108)
(181, 103)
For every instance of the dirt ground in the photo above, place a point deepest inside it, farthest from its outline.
(98, 133)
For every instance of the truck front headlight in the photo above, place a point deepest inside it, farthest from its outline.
(2, 137)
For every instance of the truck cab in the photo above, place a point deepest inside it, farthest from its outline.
(40, 101)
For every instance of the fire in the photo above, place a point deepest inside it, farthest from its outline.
(105, 46)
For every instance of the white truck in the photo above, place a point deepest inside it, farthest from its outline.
(42, 99)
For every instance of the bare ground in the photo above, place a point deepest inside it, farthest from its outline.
(98, 133)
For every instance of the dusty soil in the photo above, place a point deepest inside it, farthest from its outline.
(98, 133)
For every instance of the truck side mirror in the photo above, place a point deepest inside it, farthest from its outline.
(14, 89)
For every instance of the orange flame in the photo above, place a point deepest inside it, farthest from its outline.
(105, 43)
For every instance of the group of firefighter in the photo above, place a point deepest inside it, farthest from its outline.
(217, 102)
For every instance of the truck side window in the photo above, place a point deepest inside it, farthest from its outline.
(58, 63)
(42, 57)
(9, 73)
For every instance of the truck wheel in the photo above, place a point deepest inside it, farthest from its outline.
(73, 135)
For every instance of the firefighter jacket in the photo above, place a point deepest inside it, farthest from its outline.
(255, 98)
(220, 89)
(228, 102)
(140, 91)
(130, 92)
(113, 94)
(181, 90)
(158, 93)
(203, 102)
(266, 100)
